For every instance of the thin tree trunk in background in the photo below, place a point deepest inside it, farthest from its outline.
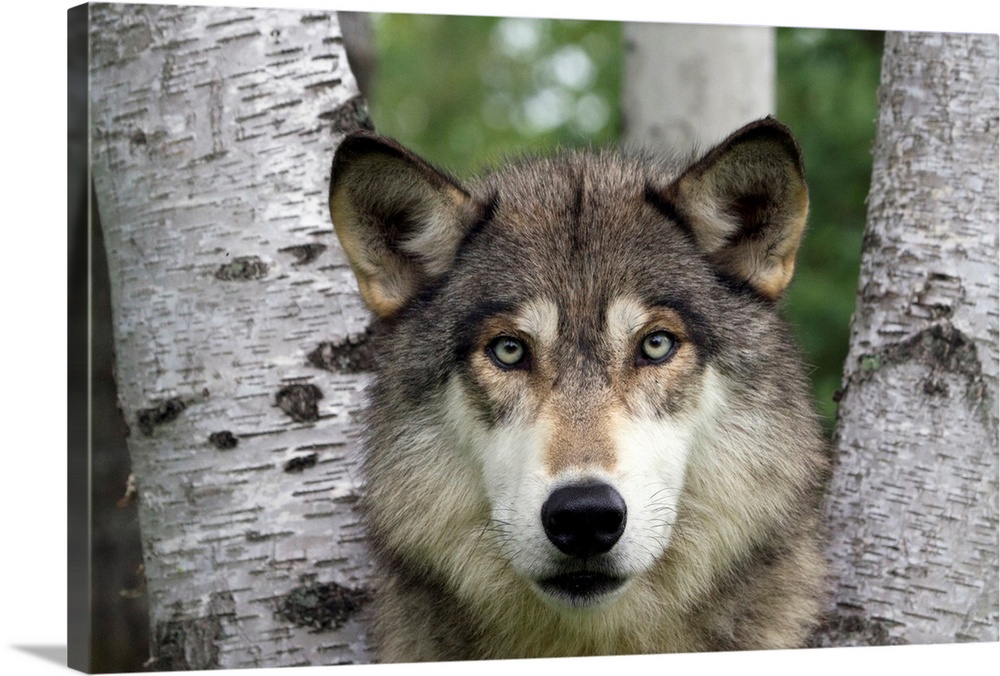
(688, 86)
(913, 506)
(240, 339)
(359, 41)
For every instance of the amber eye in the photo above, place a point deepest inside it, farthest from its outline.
(657, 348)
(507, 352)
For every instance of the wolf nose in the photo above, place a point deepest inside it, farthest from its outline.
(584, 519)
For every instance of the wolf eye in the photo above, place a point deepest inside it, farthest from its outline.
(507, 352)
(657, 347)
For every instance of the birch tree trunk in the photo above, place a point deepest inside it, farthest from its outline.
(688, 86)
(913, 507)
(240, 339)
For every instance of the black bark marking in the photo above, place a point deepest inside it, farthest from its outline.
(242, 268)
(242, 36)
(355, 355)
(185, 645)
(286, 104)
(229, 22)
(943, 348)
(304, 253)
(148, 418)
(284, 52)
(324, 84)
(299, 402)
(847, 625)
(301, 463)
(936, 388)
(224, 440)
(322, 606)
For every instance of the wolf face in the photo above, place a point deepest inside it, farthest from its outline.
(589, 431)
(581, 460)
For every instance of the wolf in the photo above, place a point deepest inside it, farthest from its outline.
(589, 430)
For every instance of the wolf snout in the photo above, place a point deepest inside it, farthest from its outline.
(584, 519)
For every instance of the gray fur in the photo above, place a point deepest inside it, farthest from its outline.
(584, 230)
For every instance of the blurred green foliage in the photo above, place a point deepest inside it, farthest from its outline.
(466, 92)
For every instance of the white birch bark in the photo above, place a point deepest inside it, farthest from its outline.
(913, 506)
(689, 86)
(239, 334)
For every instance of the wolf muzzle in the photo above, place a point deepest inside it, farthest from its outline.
(584, 519)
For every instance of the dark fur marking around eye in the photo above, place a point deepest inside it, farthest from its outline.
(697, 326)
(468, 325)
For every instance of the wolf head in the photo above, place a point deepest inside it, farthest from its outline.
(583, 385)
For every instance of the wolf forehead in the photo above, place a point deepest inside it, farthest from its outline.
(576, 196)
(544, 223)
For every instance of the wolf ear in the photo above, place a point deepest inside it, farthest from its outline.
(399, 219)
(745, 202)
